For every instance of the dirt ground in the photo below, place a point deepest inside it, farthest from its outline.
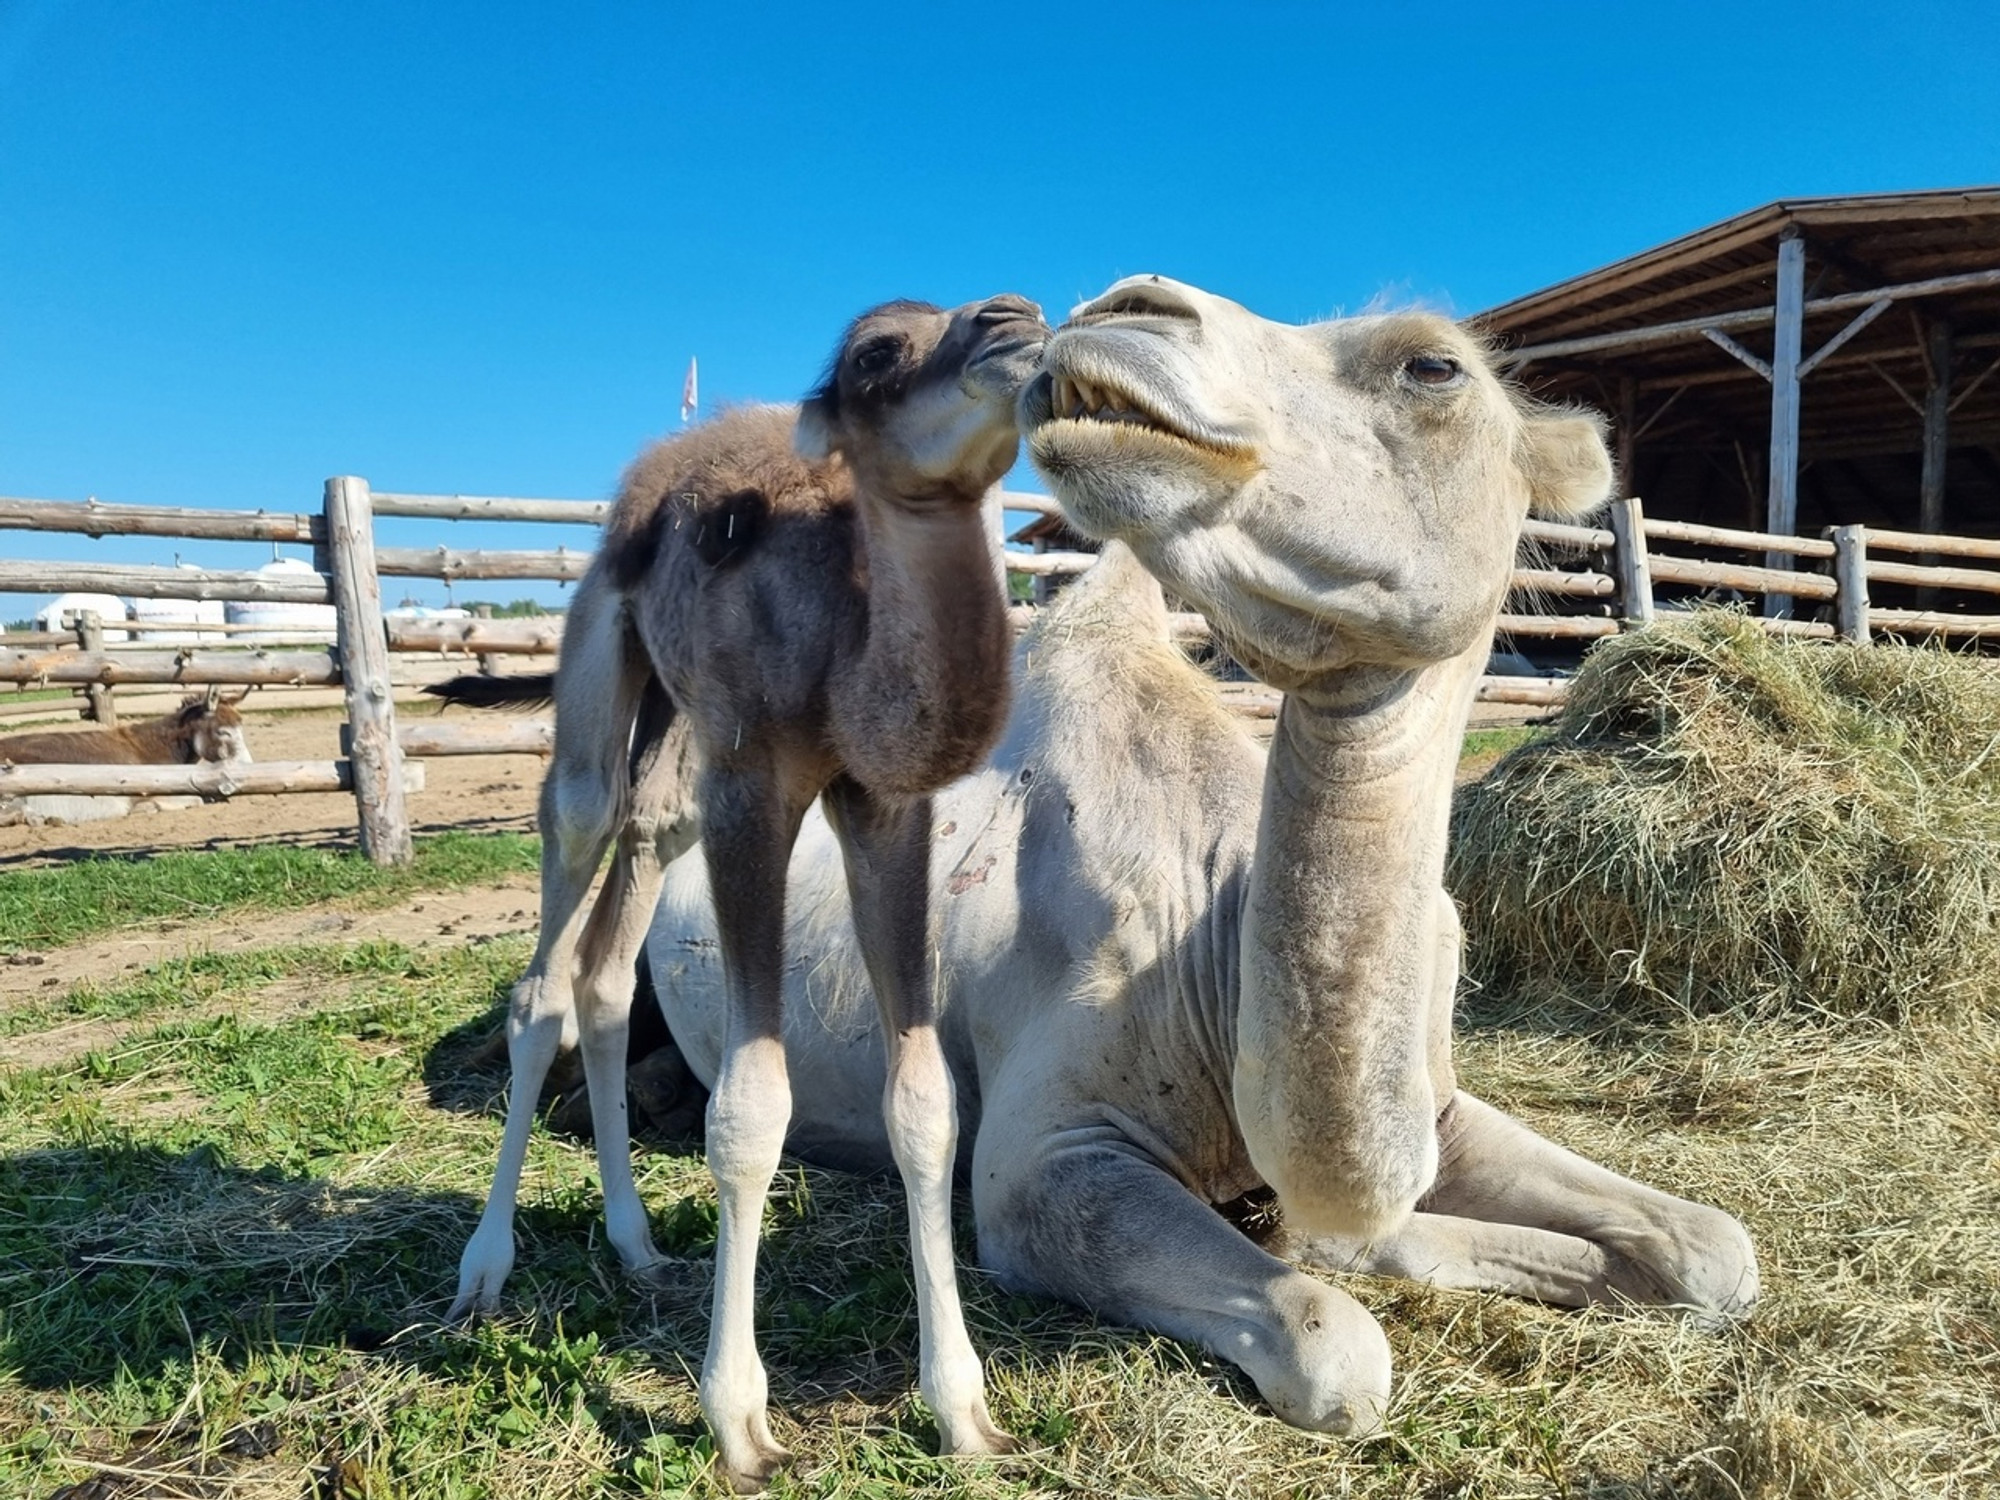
(478, 793)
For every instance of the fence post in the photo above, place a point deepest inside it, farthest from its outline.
(1850, 578)
(98, 705)
(363, 644)
(1629, 564)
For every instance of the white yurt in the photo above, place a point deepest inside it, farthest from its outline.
(274, 620)
(65, 610)
(170, 622)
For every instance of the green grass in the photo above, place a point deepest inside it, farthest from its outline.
(228, 1232)
(42, 908)
(1498, 741)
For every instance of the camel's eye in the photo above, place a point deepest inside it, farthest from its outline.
(877, 356)
(1434, 370)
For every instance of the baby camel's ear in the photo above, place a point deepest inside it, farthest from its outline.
(815, 439)
(1567, 465)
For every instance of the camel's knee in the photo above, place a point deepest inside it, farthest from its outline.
(583, 806)
(919, 1108)
(1318, 1358)
(1706, 1264)
(747, 1115)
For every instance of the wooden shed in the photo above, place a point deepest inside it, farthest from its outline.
(1815, 362)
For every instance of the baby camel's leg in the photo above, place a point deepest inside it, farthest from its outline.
(584, 801)
(750, 811)
(1514, 1212)
(887, 847)
(664, 823)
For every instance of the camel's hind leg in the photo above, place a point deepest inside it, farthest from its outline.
(584, 803)
(887, 847)
(662, 826)
(1514, 1212)
(750, 812)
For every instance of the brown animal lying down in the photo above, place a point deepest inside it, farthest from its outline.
(202, 728)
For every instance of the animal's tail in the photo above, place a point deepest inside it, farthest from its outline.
(480, 690)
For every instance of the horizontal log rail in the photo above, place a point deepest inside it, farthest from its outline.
(89, 518)
(1568, 585)
(1529, 692)
(1558, 627)
(1935, 622)
(1808, 630)
(1975, 580)
(1742, 576)
(430, 737)
(1562, 534)
(564, 564)
(1943, 546)
(162, 583)
(188, 667)
(491, 508)
(538, 635)
(208, 778)
(1750, 541)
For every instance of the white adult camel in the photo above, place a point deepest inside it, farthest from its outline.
(1174, 972)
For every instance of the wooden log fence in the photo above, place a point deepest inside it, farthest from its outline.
(1574, 583)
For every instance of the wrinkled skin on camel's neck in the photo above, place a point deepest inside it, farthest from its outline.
(920, 404)
(1342, 500)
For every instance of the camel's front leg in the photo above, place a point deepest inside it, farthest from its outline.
(887, 847)
(1514, 1212)
(1082, 1214)
(750, 818)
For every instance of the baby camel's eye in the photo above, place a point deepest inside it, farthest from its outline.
(1434, 370)
(876, 356)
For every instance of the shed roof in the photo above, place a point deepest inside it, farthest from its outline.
(1647, 339)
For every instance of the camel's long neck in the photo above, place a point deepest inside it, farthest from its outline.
(932, 679)
(1343, 937)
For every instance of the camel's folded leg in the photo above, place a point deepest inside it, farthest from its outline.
(886, 843)
(1083, 1215)
(750, 817)
(663, 825)
(1514, 1212)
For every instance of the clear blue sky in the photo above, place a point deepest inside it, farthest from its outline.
(470, 247)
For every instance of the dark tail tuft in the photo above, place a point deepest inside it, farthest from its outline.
(480, 690)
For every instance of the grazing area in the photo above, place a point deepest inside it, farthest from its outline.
(220, 1241)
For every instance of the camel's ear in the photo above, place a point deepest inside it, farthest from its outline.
(1567, 465)
(815, 438)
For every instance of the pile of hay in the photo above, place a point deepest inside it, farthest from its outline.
(1721, 819)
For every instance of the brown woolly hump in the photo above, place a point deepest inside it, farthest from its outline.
(744, 449)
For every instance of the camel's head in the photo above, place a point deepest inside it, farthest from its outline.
(1332, 495)
(920, 400)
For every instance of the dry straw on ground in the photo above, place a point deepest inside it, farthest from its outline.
(1723, 820)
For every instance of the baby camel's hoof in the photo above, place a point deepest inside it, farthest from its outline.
(977, 1436)
(668, 1275)
(759, 1465)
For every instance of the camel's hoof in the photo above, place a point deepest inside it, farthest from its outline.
(762, 1461)
(976, 1435)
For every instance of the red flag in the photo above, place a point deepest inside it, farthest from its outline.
(688, 401)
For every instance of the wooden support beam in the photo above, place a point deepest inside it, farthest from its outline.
(1850, 576)
(1782, 507)
(1754, 317)
(1694, 534)
(1949, 546)
(1749, 580)
(1736, 351)
(534, 636)
(1629, 562)
(90, 640)
(364, 666)
(563, 564)
(1937, 425)
(1866, 316)
(1977, 580)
